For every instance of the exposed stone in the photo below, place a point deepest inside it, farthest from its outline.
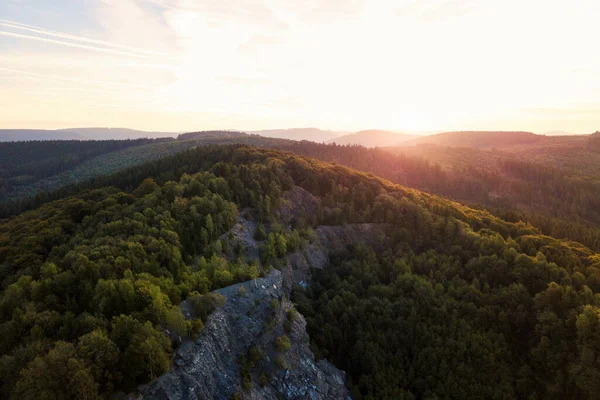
(297, 202)
(243, 231)
(209, 368)
(329, 239)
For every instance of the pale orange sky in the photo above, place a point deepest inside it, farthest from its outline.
(182, 65)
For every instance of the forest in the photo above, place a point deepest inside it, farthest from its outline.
(459, 304)
(24, 163)
(546, 192)
(92, 282)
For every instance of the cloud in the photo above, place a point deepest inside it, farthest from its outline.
(432, 10)
(75, 45)
(353, 62)
(136, 24)
(46, 32)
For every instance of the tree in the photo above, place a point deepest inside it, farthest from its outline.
(260, 233)
(177, 323)
(280, 362)
(281, 245)
(60, 374)
(210, 227)
(147, 351)
(282, 343)
(146, 187)
(586, 370)
(102, 355)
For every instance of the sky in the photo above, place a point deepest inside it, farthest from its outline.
(405, 65)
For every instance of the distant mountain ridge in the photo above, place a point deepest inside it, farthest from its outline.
(480, 139)
(17, 135)
(312, 134)
(367, 138)
(215, 134)
(564, 133)
(373, 138)
(100, 133)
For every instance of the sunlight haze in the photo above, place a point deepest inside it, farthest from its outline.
(181, 65)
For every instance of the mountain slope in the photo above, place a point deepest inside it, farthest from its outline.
(453, 289)
(312, 134)
(372, 138)
(15, 135)
(209, 368)
(27, 168)
(530, 182)
(479, 139)
(118, 133)
(206, 135)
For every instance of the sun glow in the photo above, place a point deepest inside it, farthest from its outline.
(180, 65)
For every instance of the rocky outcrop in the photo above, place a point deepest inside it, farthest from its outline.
(243, 231)
(254, 316)
(297, 202)
(329, 239)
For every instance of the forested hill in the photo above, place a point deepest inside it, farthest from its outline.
(373, 138)
(459, 305)
(35, 168)
(204, 135)
(13, 135)
(479, 138)
(534, 182)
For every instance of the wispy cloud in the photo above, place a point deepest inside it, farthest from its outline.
(407, 64)
(109, 45)
(75, 45)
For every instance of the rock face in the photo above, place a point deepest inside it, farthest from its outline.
(297, 202)
(255, 316)
(329, 239)
(243, 231)
(251, 317)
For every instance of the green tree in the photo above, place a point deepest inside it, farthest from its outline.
(177, 323)
(210, 226)
(102, 357)
(282, 343)
(60, 374)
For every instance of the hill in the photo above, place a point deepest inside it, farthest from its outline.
(449, 302)
(559, 133)
(372, 138)
(482, 139)
(312, 134)
(532, 182)
(118, 133)
(14, 135)
(29, 167)
(204, 135)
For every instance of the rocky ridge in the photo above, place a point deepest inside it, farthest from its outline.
(209, 368)
(255, 314)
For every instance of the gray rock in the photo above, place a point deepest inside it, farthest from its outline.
(297, 202)
(329, 239)
(243, 231)
(209, 367)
